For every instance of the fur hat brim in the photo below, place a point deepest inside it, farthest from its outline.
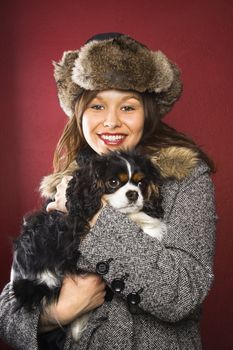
(117, 63)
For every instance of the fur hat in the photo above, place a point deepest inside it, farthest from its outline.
(116, 61)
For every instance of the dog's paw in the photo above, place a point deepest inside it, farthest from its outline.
(152, 226)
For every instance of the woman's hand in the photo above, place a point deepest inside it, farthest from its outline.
(60, 196)
(79, 294)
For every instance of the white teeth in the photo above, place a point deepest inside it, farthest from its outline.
(112, 138)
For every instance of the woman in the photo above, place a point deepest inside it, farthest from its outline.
(116, 92)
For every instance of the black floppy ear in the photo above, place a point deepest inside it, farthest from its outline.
(154, 173)
(98, 166)
(96, 186)
(153, 202)
(84, 192)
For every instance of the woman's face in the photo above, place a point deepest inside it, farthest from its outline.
(113, 120)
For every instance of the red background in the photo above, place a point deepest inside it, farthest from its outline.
(197, 35)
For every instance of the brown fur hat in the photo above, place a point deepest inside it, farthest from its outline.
(116, 61)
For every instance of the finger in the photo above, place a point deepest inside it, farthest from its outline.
(64, 182)
(100, 298)
(91, 275)
(100, 288)
(92, 222)
(97, 300)
(102, 285)
(104, 202)
(98, 281)
(67, 178)
(102, 294)
(51, 206)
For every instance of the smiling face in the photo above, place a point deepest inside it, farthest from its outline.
(113, 120)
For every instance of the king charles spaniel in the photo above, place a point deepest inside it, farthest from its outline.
(47, 248)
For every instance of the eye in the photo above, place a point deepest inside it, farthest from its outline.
(128, 108)
(113, 183)
(97, 107)
(142, 184)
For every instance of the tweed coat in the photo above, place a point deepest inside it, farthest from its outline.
(172, 277)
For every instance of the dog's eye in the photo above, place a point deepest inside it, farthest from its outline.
(113, 183)
(141, 184)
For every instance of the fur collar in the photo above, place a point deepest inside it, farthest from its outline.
(174, 162)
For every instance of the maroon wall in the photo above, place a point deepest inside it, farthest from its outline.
(197, 35)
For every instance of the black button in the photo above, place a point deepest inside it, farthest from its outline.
(118, 285)
(102, 267)
(133, 298)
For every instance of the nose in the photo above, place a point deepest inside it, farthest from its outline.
(132, 196)
(112, 119)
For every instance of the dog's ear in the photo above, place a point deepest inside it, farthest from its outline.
(96, 187)
(85, 155)
(84, 191)
(154, 173)
(98, 166)
(153, 200)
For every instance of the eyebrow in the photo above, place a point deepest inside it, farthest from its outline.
(132, 96)
(127, 97)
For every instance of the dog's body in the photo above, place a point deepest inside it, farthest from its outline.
(47, 248)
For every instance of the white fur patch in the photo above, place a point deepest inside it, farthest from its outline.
(79, 325)
(119, 200)
(128, 168)
(48, 278)
(152, 226)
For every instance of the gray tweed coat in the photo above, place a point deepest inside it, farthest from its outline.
(173, 276)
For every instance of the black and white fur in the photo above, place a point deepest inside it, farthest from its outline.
(47, 248)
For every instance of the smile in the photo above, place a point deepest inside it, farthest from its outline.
(112, 139)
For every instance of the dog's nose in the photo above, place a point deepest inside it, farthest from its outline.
(132, 196)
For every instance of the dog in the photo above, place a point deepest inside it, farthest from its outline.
(47, 248)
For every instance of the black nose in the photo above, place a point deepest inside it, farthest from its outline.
(132, 196)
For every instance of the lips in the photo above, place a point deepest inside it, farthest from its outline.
(112, 139)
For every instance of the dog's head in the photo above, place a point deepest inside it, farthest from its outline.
(124, 187)
(129, 182)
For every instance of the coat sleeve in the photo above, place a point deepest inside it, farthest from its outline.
(173, 276)
(17, 328)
